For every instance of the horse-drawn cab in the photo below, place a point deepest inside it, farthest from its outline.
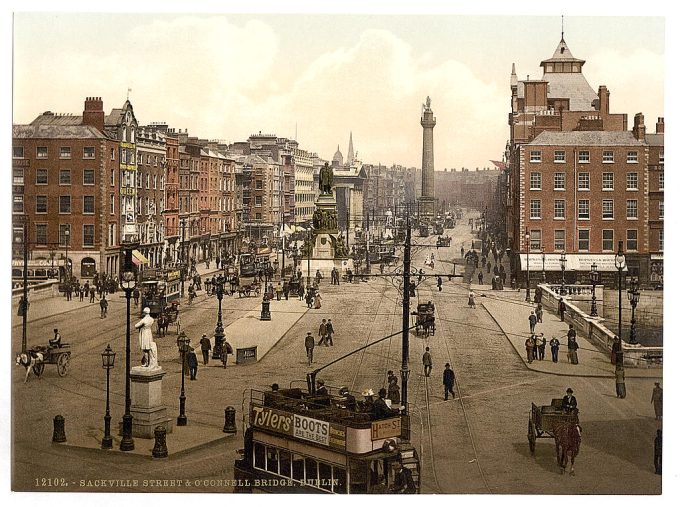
(443, 241)
(552, 421)
(168, 317)
(425, 319)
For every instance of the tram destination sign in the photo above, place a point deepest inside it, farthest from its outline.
(299, 427)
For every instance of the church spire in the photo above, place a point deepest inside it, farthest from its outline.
(350, 150)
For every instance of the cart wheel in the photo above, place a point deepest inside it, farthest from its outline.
(62, 364)
(38, 369)
(531, 435)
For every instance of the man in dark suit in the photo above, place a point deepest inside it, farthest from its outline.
(569, 401)
(380, 408)
(449, 378)
(192, 363)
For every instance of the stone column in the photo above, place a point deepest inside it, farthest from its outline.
(147, 408)
(428, 121)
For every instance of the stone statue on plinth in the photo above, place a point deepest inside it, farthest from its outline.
(146, 343)
(326, 180)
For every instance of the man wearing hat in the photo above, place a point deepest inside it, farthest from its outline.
(206, 346)
(657, 400)
(569, 401)
(309, 347)
(321, 388)
(348, 401)
(380, 408)
(449, 379)
(56, 341)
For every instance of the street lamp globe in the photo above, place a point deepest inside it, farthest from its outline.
(108, 358)
(620, 260)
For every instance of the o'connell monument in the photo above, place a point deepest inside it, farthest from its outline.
(428, 121)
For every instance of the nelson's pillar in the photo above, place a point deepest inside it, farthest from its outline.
(428, 121)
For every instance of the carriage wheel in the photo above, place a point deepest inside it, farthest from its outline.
(62, 364)
(531, 435)
(38, 369)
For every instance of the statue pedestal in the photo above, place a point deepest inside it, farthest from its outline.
(147, 409)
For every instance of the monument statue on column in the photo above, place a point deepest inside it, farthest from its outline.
(146, 342)
(326, 180)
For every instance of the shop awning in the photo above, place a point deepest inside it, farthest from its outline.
(138, 258)
(575, 262)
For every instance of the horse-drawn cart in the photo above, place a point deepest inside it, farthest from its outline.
(552, 421)
(425, 319)
(169, 317)
(443, 241)
(60, 356)
(248, 290)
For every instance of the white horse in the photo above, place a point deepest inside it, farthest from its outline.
(29, 361)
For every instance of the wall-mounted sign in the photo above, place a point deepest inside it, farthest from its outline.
(386, 428)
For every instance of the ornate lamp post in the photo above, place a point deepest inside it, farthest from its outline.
(108, 360)
(594, 278)
(634, 298)
(620, 263)
(219, 328)
(543, 259)
(528, 294)
(128, 284)
(563, 266)
(183, 345)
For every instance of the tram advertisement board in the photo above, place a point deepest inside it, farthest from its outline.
(386, 428)
(298, 426)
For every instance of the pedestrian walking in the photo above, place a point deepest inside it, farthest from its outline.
(279, 291)
(529, 345)
(532, 322)
(192, 363)
(206, 346)
(224, 353)
(488, 266)
(329, 332)
(448, 379)
(539, 313)
(322, 333)
(439, 283)
(390, 376)
(562, 309)
(554, 348)
(393, 393)
(572, 345)
(309, 298)
(286, 289)
(620, 382)
(658, 447)
(480, 277)
(471, 300)
(657, 400)
(81, 292)
(317, 301)
(135, 295)
(541, 342)
(427, 362)
(309, 347)
(103, 307)
(462, 251)
(301, 290)
(616, 352)
(92, 293)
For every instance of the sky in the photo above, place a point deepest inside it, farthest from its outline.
(320, 76)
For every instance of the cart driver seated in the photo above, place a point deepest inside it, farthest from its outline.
(56, 340)
(569, 402)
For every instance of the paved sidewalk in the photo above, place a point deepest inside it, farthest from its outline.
(511, 313)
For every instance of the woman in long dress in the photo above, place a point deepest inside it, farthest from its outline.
(471, 300)
(317, 301)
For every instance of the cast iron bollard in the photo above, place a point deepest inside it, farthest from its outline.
(160, 450)
(265, 315)
(229, 420)
(59, 434)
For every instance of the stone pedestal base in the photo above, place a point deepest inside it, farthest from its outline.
(147, 409)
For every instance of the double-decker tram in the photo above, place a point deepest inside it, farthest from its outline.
(301, 441)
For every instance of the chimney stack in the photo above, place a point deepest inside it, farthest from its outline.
(93, 114)
(659, 125)
(603, 96)
(639, 127)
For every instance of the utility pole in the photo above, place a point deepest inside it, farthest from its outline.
(405, 314)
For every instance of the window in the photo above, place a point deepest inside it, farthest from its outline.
(661, 240)
(17, 176)
(17, 152)
(62, 234)
(583, 240)
(660, 210)
(41, 204)
(148, 180)
(560, 208)
(631, 208)
(258, 200)
(607, 157)
(41, 177)
(88, 176)
(661, 157)
(535, 156)
(258, 216)
(584, 181)
(258, 184)
(65, 152)
(88, 152)
(560, 157)
(607, 181)
(41, 152)
(112, 179)
(608, 209)
(631, 181)
(64, 204)
(584, 209)
(535, 239)
(41, 234)
(583, 157)
(18, 204)
(65, 177)
(113, 154)
(535, 181)
(608, 240)
(88, 235)
(155, 181)
(559, 240)
(535, 208)
(88, 204)
(632, 157)
(631, 239)
(560, 181)
(661, 178)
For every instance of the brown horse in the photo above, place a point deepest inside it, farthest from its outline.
(163, 321)
(567, 444)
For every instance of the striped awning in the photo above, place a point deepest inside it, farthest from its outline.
(138, 258)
